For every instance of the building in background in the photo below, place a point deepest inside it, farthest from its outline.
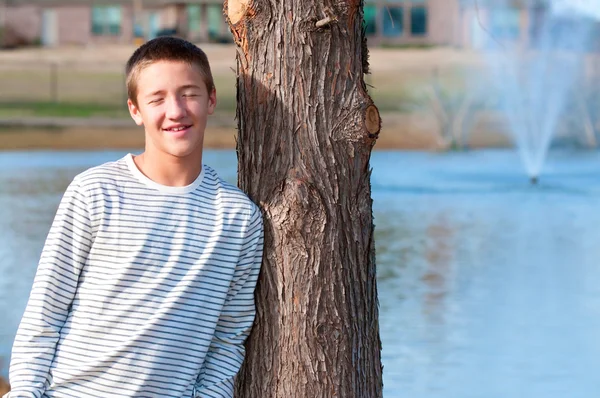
(457, 23)
(465, 23)
(82, 22)
(413, 22)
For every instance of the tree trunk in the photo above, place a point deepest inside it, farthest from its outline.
(306, 130)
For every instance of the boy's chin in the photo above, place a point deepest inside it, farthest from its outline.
(186, 151)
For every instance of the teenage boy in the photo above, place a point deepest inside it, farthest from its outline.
(145, 283)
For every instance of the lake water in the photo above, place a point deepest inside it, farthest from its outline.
(488, 287)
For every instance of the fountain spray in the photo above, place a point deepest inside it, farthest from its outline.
(534, 80)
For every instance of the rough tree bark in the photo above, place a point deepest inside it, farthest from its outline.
(306, 129)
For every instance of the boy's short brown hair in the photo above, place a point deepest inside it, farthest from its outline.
(165, 49)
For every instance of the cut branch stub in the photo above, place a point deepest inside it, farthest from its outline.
(236, 9)
(372, 120)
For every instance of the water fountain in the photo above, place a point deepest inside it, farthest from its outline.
(536, 74)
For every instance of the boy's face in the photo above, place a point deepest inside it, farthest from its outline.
(173, 104)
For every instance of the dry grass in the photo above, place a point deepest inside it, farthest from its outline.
(95, 75)
(418, 92)
(88, 82)
(406, 131)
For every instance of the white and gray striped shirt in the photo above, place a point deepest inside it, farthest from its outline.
(142, 290)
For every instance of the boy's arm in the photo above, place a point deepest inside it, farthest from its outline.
(226, 352)
(64, 254)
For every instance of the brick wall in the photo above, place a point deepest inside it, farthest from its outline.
(73, 24)
(444, 22)
(23, 25)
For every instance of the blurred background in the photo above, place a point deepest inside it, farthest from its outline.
(485, 176)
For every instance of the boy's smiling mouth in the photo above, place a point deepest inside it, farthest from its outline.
(178, 128)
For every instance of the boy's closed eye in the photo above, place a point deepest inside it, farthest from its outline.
(190, 92)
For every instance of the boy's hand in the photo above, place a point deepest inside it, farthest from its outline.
(4, 388)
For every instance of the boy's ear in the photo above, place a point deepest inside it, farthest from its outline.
(212, 101)
(134, 111)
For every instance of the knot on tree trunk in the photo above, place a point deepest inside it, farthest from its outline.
(372, 121)
(298, 209)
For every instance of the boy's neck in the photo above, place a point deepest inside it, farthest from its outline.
(169, 170)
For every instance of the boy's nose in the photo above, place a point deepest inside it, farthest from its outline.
(175, 108)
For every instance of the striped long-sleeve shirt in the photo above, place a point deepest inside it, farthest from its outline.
(142, 290)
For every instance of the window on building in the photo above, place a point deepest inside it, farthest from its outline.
(106, 20)
(370, 21)
(194, 15)
(393, 21)
(418, 20)
(216, 20)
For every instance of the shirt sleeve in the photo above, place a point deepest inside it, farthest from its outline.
(63, 256)
(226, 352)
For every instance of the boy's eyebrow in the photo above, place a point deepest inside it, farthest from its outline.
(189, 86)
(158, 92)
